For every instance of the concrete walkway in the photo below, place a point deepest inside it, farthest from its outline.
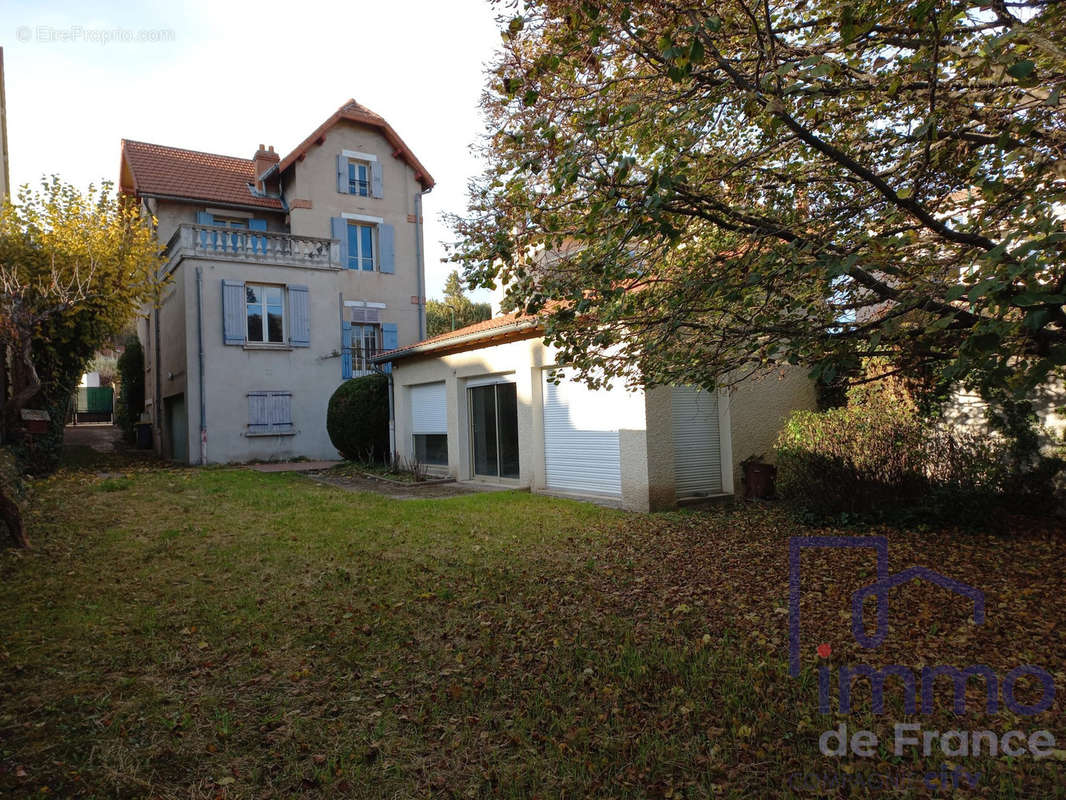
(103, 437)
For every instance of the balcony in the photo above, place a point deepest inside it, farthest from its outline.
(358, 361)
(260, 247)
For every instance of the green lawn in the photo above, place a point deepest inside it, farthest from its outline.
(227, 633)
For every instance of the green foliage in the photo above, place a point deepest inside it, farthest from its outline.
(358, 418)
(106, 367)
(456, 310)
(531, 620)
(11, 482)
(74, 269)
(878, 455)
(722, 185)
(130, 402)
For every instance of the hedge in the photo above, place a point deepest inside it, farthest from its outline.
(358, 418)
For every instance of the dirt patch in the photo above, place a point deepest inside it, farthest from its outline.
(395, 489)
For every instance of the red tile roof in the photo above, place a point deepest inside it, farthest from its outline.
(175, 172)
(356, 112)
(470, 335)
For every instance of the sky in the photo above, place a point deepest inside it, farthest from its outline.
(225, 76)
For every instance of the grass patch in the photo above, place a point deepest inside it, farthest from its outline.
(206, 633)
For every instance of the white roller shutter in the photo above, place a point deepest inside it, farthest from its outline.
(429, 408)
(697, 447)
(581, 452)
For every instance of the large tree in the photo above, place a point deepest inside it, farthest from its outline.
(713, 187)
(456, 310)
(74, 269)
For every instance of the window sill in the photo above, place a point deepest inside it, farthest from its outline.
(265, 435)
(262, 346)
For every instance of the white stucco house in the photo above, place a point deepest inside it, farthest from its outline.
(481, 403)
(285, 276)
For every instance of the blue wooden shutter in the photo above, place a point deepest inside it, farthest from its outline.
(203, 218)
(387, 245)
(258, 412)
(280, 410)
(390, 340)
(299, 316)
(258, 243)
(234, 325)
(338, 227)
(269, 412)
(346, 350)
(342, 175)
(375, 180)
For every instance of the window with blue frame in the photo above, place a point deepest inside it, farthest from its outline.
(361, 250)
(359, 178)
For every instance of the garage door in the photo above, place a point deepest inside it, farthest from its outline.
(581, 452)
(697, 447)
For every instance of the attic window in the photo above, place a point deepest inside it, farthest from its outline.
(358, 177)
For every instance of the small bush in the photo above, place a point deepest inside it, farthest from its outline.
(358, 418)
(877, 455)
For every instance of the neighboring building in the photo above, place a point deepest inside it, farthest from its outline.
(286, 276)
(479, 403)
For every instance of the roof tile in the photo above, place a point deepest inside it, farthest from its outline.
(176, 172)
(485, 327)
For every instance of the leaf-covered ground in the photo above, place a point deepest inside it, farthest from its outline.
(226, 633)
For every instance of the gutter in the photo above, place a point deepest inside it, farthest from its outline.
(444, 344)
(218, 203)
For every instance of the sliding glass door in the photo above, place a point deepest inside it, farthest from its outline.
(494, 430)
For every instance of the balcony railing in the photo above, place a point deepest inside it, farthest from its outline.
(359, 360)
(266, 247)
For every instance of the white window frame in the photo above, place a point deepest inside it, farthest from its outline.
(366, 184)
(265, 341)
(358, 254)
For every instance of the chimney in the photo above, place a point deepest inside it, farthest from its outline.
(263, 160)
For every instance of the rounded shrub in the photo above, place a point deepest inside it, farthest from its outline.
(358, 418)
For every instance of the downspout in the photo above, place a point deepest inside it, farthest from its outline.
(419, 258)
(392, 416)
(200, 351)
(158, 386)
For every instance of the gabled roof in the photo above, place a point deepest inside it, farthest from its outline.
(157, 170)
(355, 112)
(473, 337)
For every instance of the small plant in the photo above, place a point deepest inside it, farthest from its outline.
(412, 466)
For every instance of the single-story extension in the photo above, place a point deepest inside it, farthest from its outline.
(480, 403)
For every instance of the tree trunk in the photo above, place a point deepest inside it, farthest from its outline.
(12, 517)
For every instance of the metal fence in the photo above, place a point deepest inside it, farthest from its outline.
(94, 404)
